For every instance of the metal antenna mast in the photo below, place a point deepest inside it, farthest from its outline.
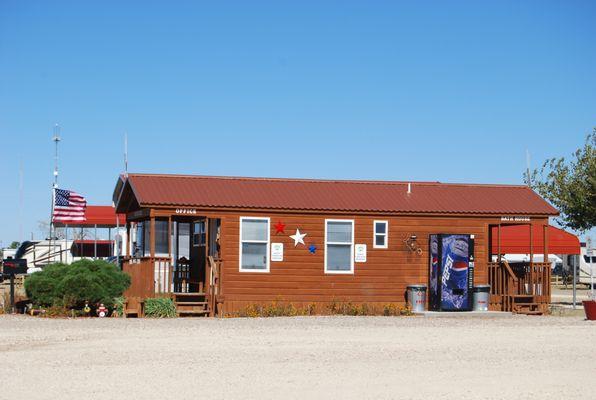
(56, 139)
(528, 177)
(20, 199)
(125, 154)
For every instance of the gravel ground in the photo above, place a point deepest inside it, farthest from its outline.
(298, 358)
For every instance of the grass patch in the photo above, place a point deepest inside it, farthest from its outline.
(161, 307)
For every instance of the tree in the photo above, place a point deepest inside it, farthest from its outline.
(570, 185)
(73, 285)
(14, 245)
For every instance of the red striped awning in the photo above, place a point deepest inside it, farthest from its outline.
(102, 216)
(515, 239)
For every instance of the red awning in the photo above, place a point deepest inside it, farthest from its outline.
(102, 216)
(515, 239)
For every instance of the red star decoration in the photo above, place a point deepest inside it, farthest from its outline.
(279, 227)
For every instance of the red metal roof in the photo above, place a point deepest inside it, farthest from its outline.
(102, 216)
(515, 239)
(333, 195)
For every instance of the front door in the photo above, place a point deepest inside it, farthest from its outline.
(198, 255)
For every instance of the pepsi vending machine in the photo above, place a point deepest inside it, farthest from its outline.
(451, 272)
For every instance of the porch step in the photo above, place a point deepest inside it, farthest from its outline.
(191, 303)
(527, 307)
(192, 312)
(188, 294)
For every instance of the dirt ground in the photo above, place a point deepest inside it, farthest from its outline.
(518, 357)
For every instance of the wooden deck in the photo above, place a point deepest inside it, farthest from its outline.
(522, 288)
(154, 277)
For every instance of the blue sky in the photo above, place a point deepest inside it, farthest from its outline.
(448, 91)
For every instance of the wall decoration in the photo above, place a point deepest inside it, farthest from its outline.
(360, 253)
(280, 227)
(298, 237)
(312, 248)
(412, 244)
(277, 251)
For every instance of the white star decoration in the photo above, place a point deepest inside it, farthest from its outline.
(298, 237)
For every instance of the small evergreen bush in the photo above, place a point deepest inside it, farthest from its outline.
(71, 286)
(161, 307)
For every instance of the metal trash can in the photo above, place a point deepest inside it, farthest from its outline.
(481, 297)
(417, 297)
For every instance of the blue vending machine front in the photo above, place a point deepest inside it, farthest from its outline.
(451, 272)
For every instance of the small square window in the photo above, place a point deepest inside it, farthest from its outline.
(381, 234)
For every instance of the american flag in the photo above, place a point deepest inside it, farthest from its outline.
(69, 206)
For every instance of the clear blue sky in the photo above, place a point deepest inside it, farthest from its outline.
(448, 91)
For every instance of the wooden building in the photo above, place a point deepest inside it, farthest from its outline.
(218, 244)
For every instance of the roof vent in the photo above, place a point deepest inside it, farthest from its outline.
(409, 187)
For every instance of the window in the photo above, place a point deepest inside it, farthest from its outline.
(587, 259)
(182, 240)
(198, 234)
(161, 237)
(381, 234)
(339, 246)
(141, 242)
(254, 244)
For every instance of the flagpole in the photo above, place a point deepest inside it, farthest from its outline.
(56, 139)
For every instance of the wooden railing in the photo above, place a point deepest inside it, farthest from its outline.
(509, 281)
(150, 276)
(503, 283)
(213, 286)
(534, 279)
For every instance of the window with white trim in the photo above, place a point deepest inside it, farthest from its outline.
(254, 244)
(381, 234)
(339, 246)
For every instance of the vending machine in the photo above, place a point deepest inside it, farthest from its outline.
(451, 272)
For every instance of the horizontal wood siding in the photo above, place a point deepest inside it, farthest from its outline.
(301, 278)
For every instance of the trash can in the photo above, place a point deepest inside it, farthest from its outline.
(417, 297)
(481, 297)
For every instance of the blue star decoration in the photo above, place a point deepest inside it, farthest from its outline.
(312, 248)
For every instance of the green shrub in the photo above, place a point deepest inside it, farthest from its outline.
(71, 286)
(119, 306)
(161, 307)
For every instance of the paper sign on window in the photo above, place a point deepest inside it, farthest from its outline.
(360, 253)
(277, 251)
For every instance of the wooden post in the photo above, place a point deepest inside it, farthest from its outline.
(207, 278)
(152, 237)
(170, 268)
(499, 243)
(546, 278)
(531, 277)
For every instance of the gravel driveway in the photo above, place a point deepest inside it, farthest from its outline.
(298, 358)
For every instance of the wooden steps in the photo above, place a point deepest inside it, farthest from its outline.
(526, 304)
(191, 304)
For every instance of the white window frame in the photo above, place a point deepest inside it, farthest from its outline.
(240, 241)
(386, 234)
(351, 271)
